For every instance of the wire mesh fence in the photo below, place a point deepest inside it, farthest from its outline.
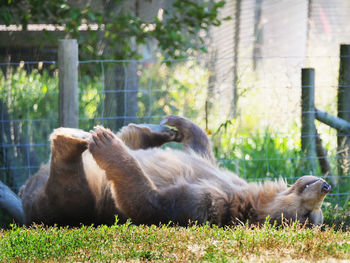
(261, 141)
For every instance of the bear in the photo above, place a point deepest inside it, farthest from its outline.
(94, 176)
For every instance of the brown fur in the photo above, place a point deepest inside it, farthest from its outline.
(126, 175)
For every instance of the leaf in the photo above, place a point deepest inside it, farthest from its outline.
(221, 4)
(176, 34)
(44, 88)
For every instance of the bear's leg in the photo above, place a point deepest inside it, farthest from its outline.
(192, 136)
(146, 136)
(134, 193)
(67, 188)
(68, 143)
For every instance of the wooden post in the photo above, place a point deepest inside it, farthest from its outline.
(344, 110)
(339, 124)
(234, 105)
(68, 83)
(308, 143)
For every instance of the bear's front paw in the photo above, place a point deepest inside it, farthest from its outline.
(161, 132)
(185, 128)
(105, 147)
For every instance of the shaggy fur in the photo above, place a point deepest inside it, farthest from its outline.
(94, 176)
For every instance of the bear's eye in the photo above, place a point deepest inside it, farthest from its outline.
(308, 184)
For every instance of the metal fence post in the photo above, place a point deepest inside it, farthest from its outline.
(68, 83)
(343, 138)
(308, 143)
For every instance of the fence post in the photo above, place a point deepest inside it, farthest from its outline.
(308, 143)
(68, 82)
(343, 138)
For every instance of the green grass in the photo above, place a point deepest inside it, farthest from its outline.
(168, 244)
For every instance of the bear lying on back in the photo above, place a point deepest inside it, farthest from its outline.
(92, 177)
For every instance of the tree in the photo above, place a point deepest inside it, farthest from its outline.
(119, 23)
(120, 30)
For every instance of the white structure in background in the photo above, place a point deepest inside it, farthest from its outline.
(275, 40)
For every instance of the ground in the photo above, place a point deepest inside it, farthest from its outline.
(174, 244)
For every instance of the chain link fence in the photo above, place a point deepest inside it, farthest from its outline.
(261, 141)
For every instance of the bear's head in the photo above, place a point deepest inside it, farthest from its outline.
(301, 201)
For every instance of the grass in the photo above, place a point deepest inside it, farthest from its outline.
(337, 216)
(172, 244)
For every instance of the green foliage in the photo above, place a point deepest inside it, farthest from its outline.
(119, 26)
(22, 12)
(177, 89)
(258, 154)
(337, 216)
(90, 101)
(30, 100)
(175, 33)
(29, 94)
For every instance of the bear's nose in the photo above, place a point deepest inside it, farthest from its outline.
(326, 188)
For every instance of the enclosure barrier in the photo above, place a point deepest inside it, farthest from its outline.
(24, 145)
(344, 105)
(310, 139)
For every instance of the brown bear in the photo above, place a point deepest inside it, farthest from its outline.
(92, 177)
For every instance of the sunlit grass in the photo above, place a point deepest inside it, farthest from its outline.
(167, 244)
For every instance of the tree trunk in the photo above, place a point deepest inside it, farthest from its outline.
(344, 110)
(234, 106)
(121, 86)
(308, 142)
(258, 33)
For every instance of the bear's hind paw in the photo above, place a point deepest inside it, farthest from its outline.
(68, 143)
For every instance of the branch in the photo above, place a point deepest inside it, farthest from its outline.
(335, 122)
(11, 203)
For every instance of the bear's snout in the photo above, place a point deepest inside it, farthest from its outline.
(326, 188)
